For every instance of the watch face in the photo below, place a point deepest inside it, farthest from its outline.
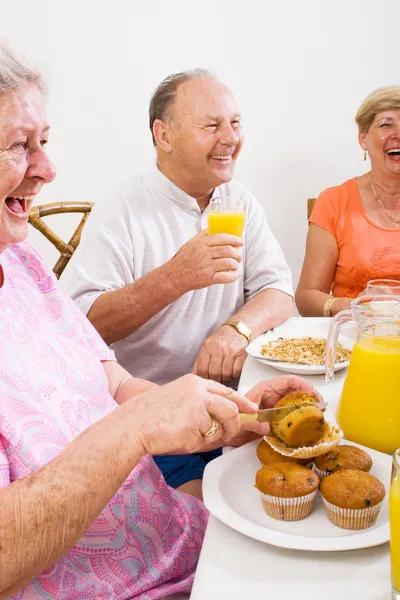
(243, 329)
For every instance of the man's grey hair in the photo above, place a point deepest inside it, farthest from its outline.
(15, 72)
(165, 94)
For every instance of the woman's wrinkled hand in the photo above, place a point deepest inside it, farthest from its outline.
(173, 418)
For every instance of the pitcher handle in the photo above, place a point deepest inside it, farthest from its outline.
(345, 316)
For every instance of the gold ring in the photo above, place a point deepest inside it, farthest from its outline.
(212, 429)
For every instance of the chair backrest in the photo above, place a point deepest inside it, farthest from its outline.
(310, 206)
(65, 249)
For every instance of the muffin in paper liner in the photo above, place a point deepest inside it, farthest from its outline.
(352, 518)
(343, 457)
(330, 439)
(288, 509)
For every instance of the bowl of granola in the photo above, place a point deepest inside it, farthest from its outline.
(301, 355)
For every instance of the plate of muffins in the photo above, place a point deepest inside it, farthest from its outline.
(302, 487)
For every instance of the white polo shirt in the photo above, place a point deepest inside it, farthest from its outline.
(139, 226)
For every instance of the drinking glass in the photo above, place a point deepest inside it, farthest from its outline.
(226, 215)
(394, 502)
(383, 287)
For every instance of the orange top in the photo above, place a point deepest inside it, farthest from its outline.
(366, 250)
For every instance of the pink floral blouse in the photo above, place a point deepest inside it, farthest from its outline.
(146, 542)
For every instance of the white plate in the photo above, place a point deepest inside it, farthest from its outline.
(230, 495)
(254, 350)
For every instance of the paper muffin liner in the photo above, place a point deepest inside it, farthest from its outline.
(348, 518)
(288, 509)
(321, 474)
(329, 440)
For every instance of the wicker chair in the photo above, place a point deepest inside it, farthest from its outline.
(310, 206)
(65, 249)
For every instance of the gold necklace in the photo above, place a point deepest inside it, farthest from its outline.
(395, 221)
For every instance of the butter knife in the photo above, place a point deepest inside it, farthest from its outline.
(275, 414)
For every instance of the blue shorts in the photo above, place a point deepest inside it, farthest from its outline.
(179, 469)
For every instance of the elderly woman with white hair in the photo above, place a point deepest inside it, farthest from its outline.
(85, 512)
(354, 233)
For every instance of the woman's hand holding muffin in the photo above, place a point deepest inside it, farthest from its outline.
(303, 433)
(305, 426)
(267, 393)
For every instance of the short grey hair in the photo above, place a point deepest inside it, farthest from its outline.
(15, 72)
(165, 94)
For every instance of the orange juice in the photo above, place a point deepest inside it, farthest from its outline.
(395, 532)
(369, 408)
(226, 222)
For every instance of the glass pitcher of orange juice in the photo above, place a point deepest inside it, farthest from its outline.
(369, 407)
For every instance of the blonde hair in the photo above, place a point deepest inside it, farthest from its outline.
(384, 98)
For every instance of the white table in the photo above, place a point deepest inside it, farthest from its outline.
(235, 567)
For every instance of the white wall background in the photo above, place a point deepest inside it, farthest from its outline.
(299, 70)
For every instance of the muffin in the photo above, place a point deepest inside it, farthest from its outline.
(267, 456)
(287, 490)
(352, 498)
(342, 457)
(304, 426)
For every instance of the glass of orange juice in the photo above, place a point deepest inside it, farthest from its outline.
(394, 502)
(226, 215)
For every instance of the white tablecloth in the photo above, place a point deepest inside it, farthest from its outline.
(235, 567)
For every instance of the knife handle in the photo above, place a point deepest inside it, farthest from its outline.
(248, 417)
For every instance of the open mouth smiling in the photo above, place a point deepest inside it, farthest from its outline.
(393, 152)
(18, 205)
(222, 158)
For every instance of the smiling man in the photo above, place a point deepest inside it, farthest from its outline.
(169, 298)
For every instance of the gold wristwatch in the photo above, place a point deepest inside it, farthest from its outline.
(241, 327)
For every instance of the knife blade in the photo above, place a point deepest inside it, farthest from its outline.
(275, 414)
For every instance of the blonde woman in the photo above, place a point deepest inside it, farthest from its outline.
(354, 232)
